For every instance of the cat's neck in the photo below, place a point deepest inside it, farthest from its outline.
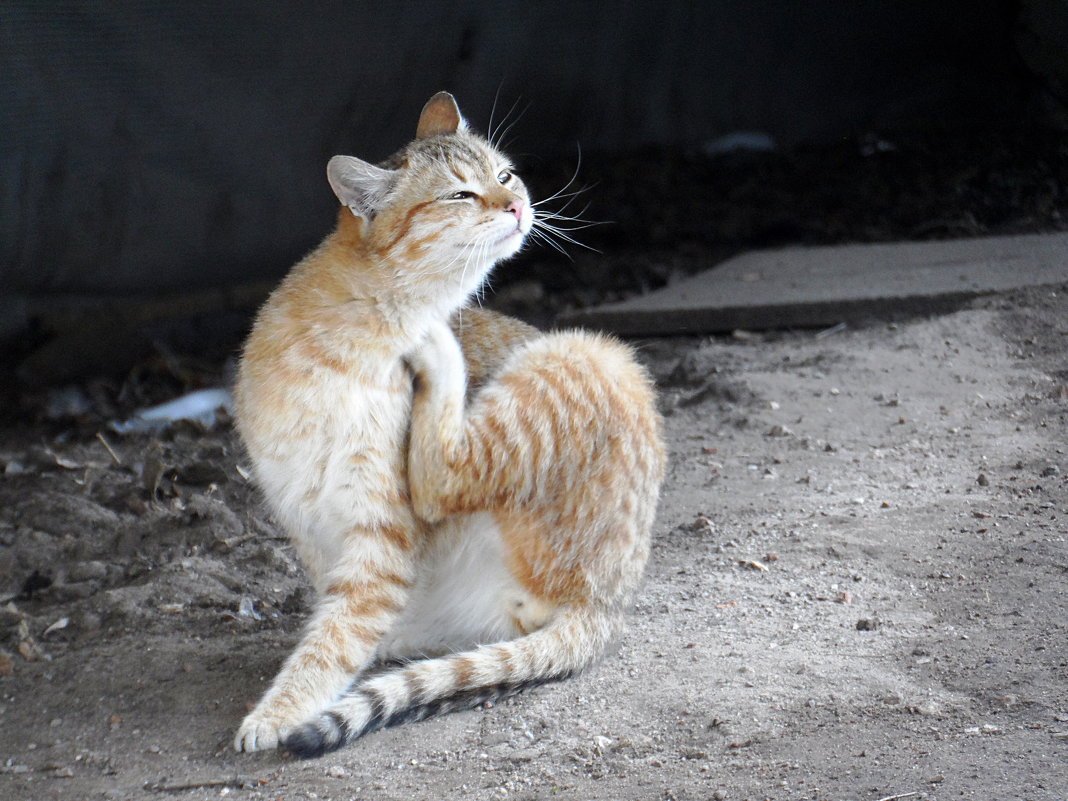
(363, 293)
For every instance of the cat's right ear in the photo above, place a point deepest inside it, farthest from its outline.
(439, 116)
(360, 186)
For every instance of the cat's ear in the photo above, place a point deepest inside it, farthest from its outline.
(359, 185)
(440, 115)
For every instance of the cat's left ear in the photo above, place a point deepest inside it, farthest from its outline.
(440, 115)
(360, 186)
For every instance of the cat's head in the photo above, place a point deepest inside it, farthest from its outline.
(449, 197)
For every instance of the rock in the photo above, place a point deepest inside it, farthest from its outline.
(87, 571)
(202, 472)
(76, 591)
(85, 621)
(601, 743)
(925, 708)
(9, 616)
(225, 524)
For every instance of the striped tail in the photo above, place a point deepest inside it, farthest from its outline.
(419, 690)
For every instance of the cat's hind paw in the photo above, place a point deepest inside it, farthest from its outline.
(427, 507)
(326, 733)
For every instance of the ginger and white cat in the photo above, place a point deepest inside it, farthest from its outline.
(479, 510)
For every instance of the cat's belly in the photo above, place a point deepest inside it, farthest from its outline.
(464, 596)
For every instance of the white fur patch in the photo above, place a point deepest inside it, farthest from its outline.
(464, 595)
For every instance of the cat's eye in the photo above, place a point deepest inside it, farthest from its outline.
(462, 195)
(505, 176)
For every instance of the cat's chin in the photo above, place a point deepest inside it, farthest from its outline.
(509, 244)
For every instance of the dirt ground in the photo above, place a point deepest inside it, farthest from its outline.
(857, 592)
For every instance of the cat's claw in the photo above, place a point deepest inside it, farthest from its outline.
(258, 734)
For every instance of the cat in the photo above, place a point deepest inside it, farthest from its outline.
(472, 502)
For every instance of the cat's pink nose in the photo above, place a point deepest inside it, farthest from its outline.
(515, 207)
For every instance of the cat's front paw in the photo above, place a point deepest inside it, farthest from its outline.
(260, 732)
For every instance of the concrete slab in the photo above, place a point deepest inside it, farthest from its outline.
(823, 286)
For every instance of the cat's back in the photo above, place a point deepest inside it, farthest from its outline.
(487, 339)
(591, 367)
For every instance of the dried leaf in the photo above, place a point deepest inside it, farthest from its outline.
(62, 623)
(247, 608)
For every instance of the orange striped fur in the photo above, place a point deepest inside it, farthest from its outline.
(474, 499)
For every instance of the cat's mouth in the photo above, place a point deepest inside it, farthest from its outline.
(513, 236)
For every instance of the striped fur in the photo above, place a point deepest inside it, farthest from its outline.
(475, 500)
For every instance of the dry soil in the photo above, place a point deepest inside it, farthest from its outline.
(857, 591)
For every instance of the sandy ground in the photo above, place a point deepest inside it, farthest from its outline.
(858, 591)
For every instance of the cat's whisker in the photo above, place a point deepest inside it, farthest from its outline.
(541, 237)
(495, 135)
(559, 195)
(447, 267)
(560, 211)
(549, 233)
(479, 246)
(562, 191)
(560, 231)
(493, 110)
(542, 216)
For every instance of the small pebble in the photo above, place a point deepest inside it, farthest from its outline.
(87, 571)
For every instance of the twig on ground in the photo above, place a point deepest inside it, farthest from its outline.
(233, 784)
(107, 447)
(834, 329)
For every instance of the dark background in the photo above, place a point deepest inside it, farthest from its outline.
(161, 149)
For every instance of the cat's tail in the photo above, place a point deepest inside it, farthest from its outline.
(417, 690)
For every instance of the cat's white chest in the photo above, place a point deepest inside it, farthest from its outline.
(336, 463)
